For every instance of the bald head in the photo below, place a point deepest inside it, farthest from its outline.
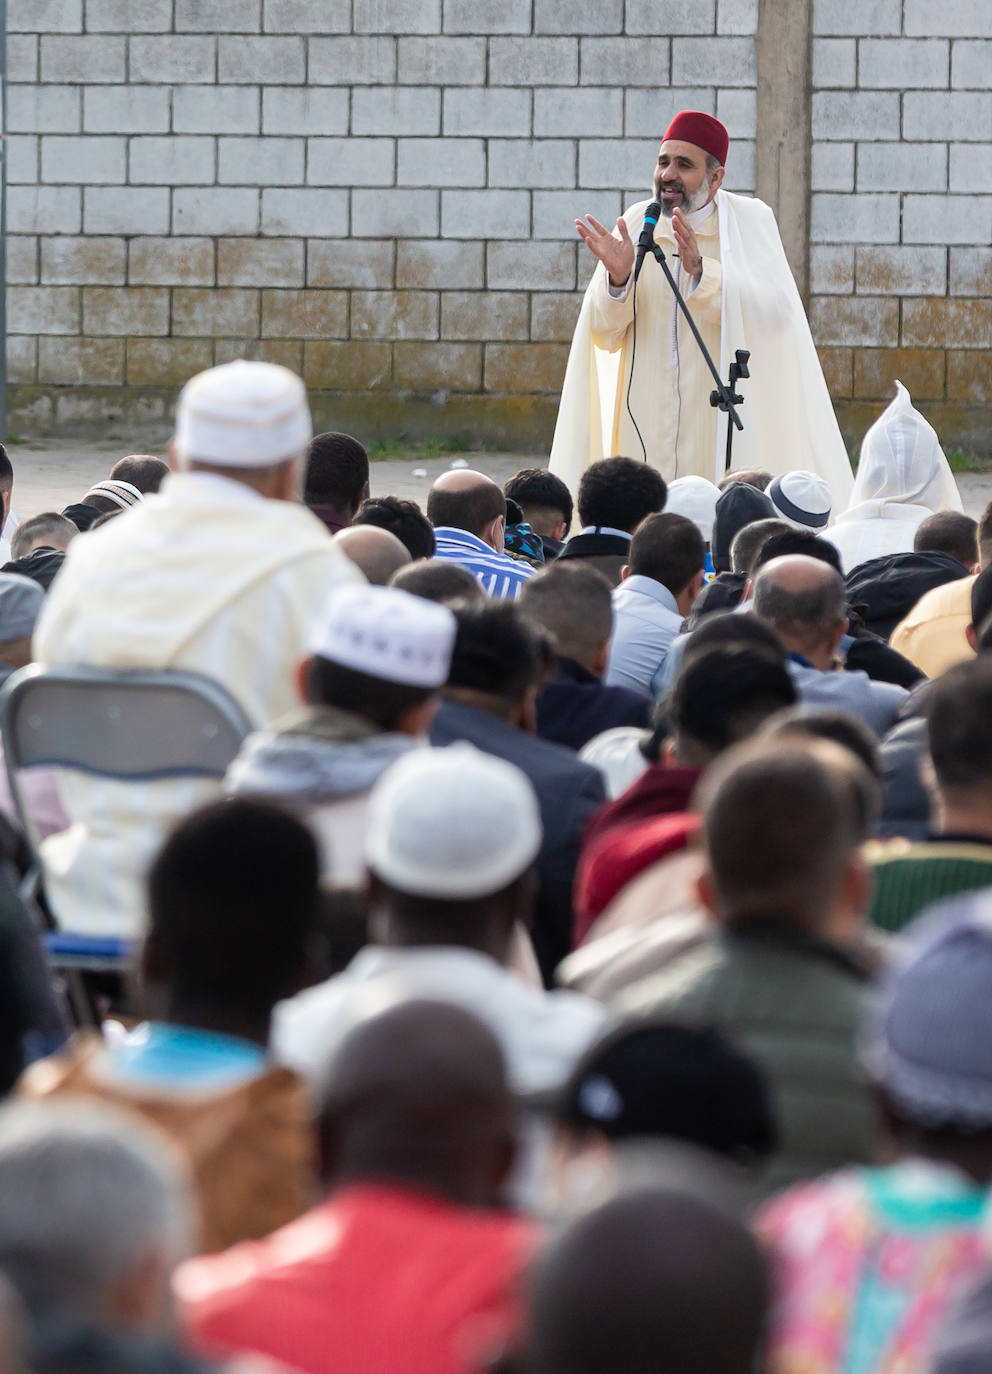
(418, 1094)
(653, 1281)
(804, 601)
(377, 552)
(470, 501)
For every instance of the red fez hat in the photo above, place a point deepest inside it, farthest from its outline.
(692, 126)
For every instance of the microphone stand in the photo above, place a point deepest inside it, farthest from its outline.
(723, 397)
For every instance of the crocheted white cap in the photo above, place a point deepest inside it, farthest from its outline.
(695, 498)
(243, 414)
(386, 633)
(452, 823)
(802, 498)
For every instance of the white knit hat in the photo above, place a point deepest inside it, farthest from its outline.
(801, 498)
(452, 823)
(386, 633)
(243, 414)
(695, 498)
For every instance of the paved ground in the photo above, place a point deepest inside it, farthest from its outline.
(49, 478)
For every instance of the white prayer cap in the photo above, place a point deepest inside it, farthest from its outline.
(387, 634)
(695, 498)
(243, 415)
(617, 755)
(452, 823)
(801, 498)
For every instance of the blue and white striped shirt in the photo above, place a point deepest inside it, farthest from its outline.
(501, 576)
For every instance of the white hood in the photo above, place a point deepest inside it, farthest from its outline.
(902, 462)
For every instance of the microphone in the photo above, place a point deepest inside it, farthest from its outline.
(646, 242)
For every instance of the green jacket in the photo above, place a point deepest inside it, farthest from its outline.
(795, 1003)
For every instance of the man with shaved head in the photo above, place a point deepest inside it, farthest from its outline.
(374, 551)
(805, 602)
(408, 1264)
(468, 512)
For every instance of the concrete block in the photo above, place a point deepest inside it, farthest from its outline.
(616, 162)
(130, 16)
(741, 174)
(22, 259)
(849, 115)
(437, 366)
(895, 166)
(44, 109)
(618, 62)
(179, 160)
(595, 111)
(971, 167)
(308, 212)
(444, 264)
(260, 161)
(268, 61)
(298, 110)
(353, 61)
(484, 315)
(22, 56)
(166, 362)
(396, 110)
(284, 352)
(43, 310)
(215, 210)
(68, 260)
(649, 112)
(125, 310)
(525, 369)
(565, 16)
(125, 210)
(485, 214)
(260, 262)
(838, 370)
(215, 314)
(737, 17)
(901, 271)
(738, 110)
(541, 162)
(394, 214)
(857, 17)
(351, 366)
(831, 269)
(947, 323)
(441, 61)
(487, 16)
(44, 209)
(553, 315)
(304, 314)
(163, 60)
(968, 378)
(533, 61)
(555, 213)
(835, 63)
(44, 16)
(87, 59)
(724, 61)
(876, 370)
(22, 359)
(947, 219)
(500, 112)
(671, 16)
(299, 16)
(861, 219)
(971, 63)
(901, 63)
(861, 321)
(350, 262)
(832, 166)
(396, 16)
(951, 19)
(971, 271)
(351, 162)
(218, 109)
(958, 115)
(530, 266)
(217, 16)
(23, 160)
(81, 362)
(116, 110)
(441, 162)
(171, 262)
(394, 315)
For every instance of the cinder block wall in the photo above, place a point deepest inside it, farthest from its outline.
(380, 194)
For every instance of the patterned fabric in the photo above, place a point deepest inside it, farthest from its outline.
(501, 577)
(908, 877)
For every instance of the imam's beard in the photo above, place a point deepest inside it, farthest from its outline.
(688, 203)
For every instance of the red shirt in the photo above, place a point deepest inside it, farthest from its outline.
(375, 1280)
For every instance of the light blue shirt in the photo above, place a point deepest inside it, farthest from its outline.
(163, 1056)
(501, 576)
(646, 619)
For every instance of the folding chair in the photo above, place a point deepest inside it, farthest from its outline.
(133, 726)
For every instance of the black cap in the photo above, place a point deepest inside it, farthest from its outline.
(738, 506)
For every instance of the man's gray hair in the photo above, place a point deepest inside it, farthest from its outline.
(86, 1192)
(811, 611)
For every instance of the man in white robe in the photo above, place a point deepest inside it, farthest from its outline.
(732, 269)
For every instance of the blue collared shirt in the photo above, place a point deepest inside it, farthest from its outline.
(646, 619)
(501, 577)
